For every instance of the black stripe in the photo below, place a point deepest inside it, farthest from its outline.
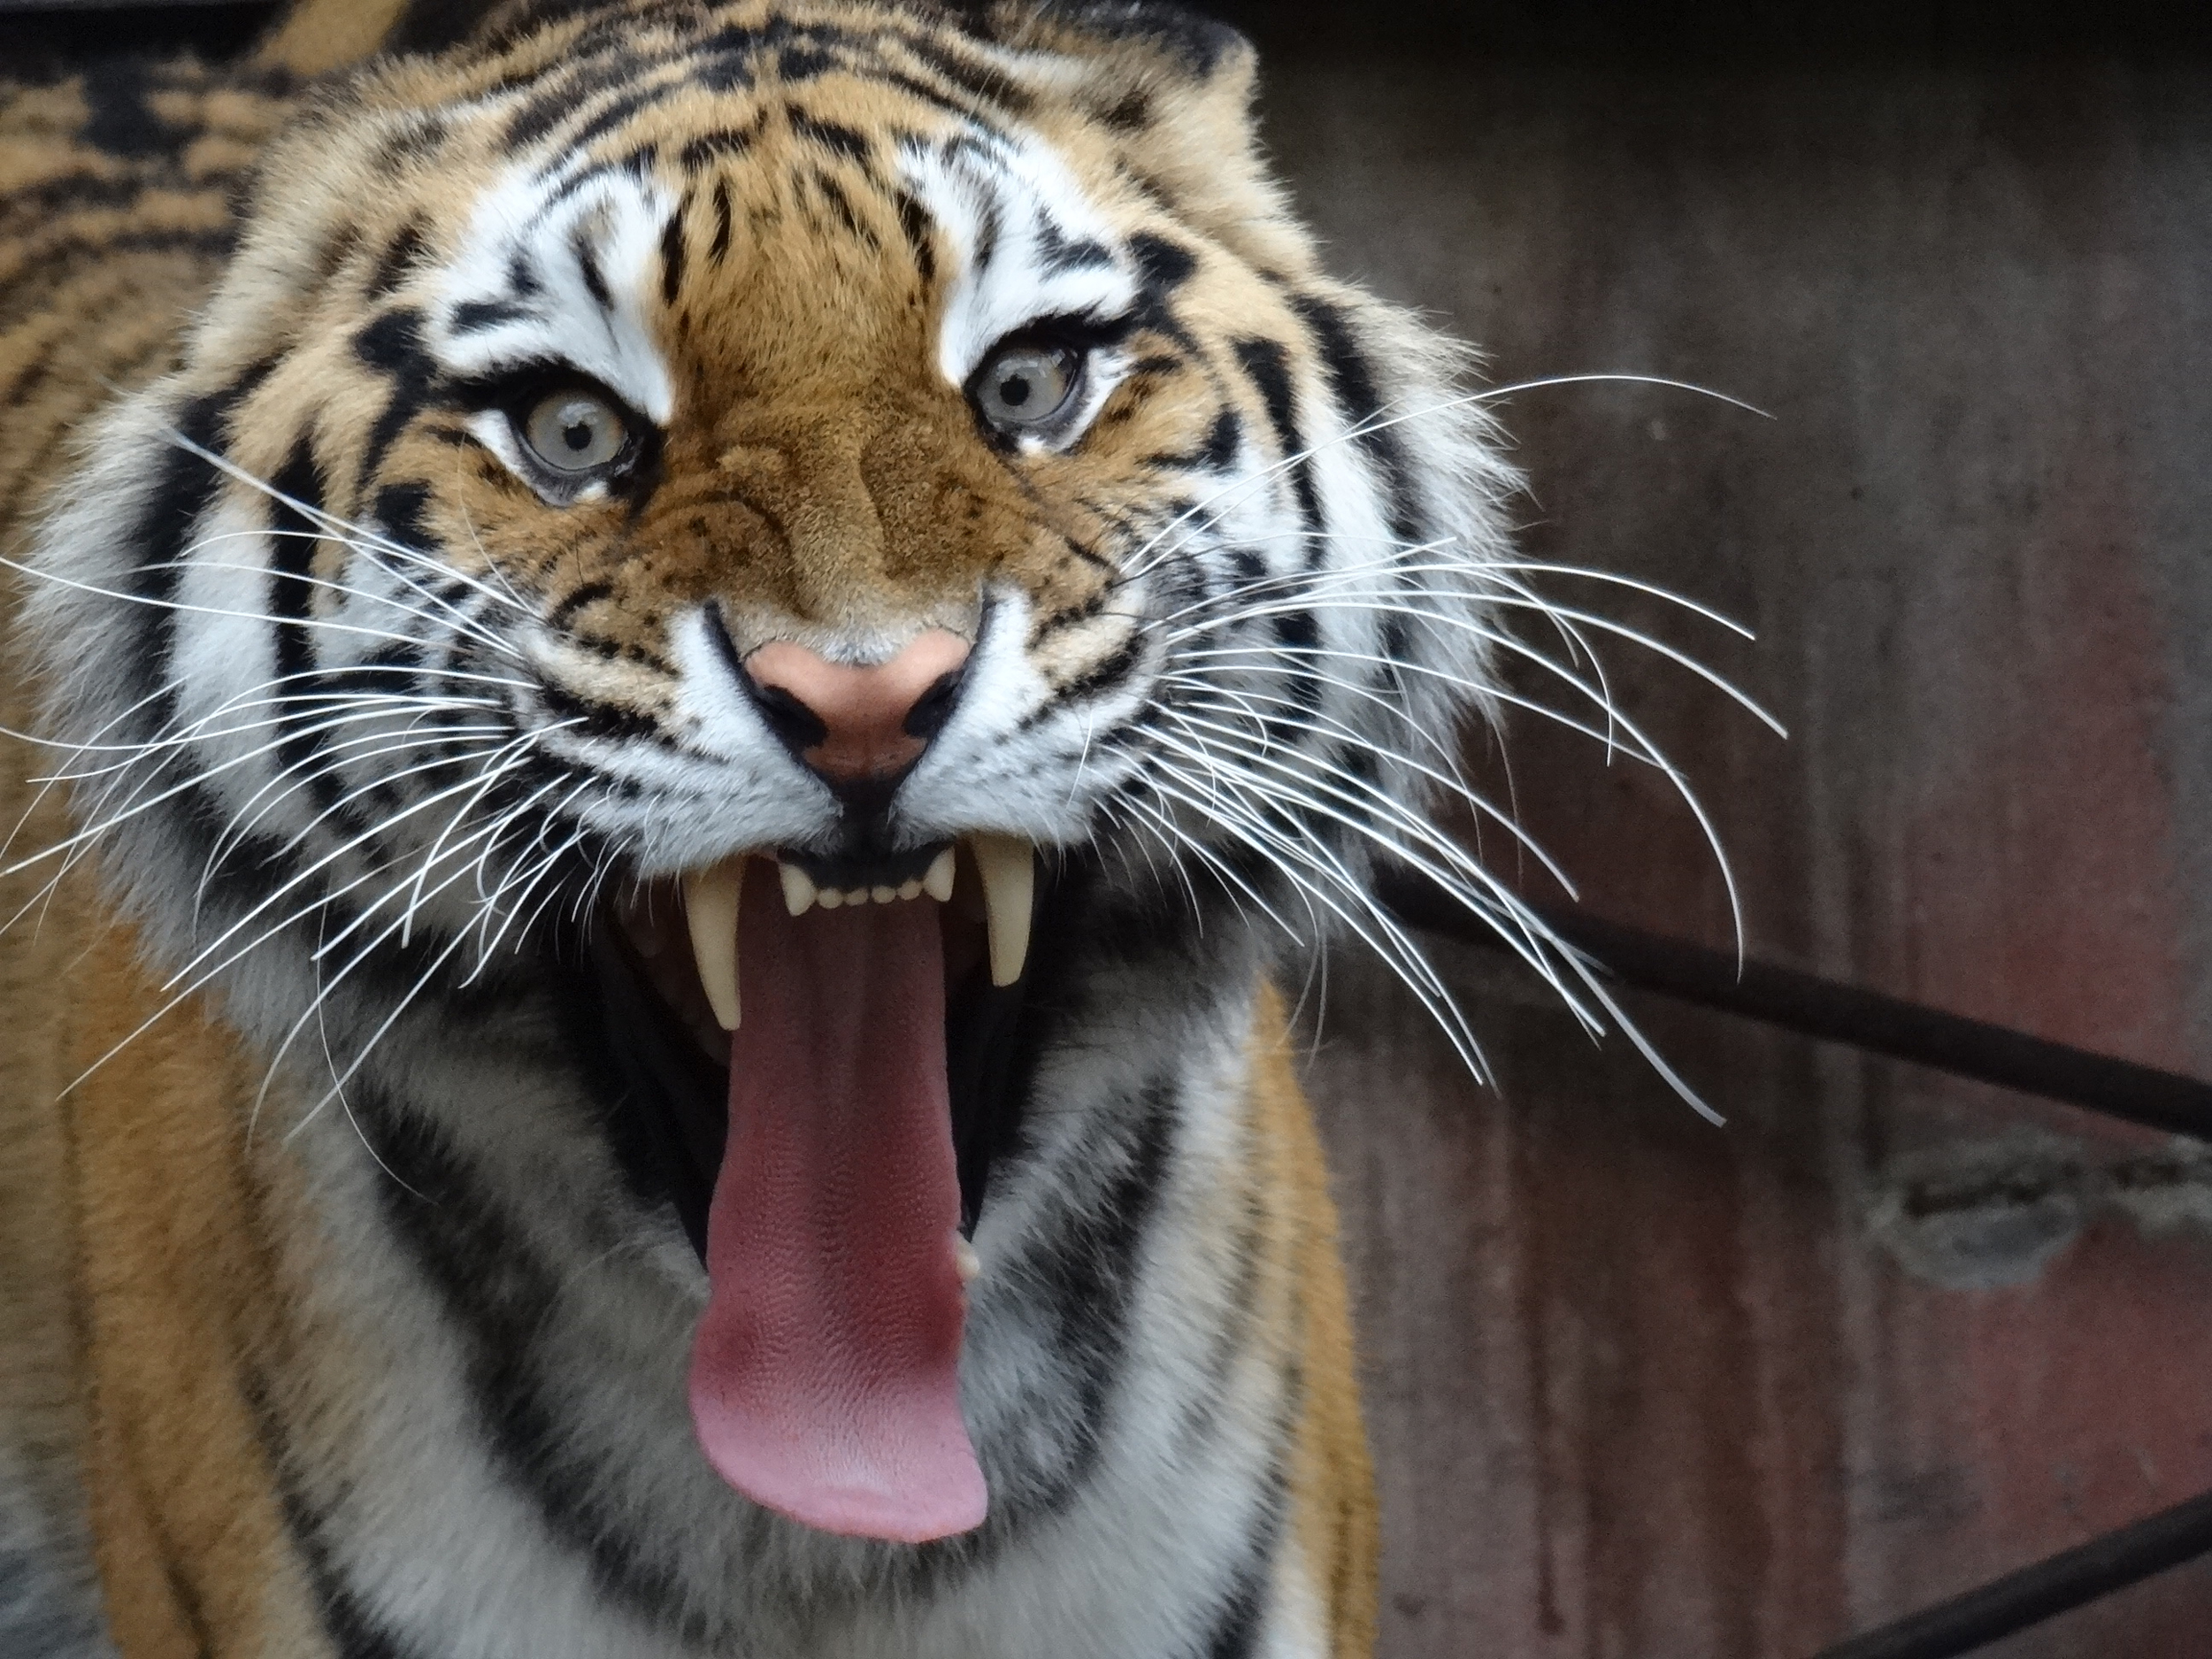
(184, 487)
(1131, 114)
(834, 194)
(915, 222)
(1061, 253)
(499, 1295)
(303, 753)
(1087, 1271)
(1244, 1608)
(392, 344)
(672, 253)
(619, 112)
(1299, 635)
(987, 234)
(588, 266)
(1237, 1635)
(977, 115)
(1164, 265)
(1267, 365)
(1223, 440)
(1107, 675)
(1352, 383)
(597, 720)
(407, 249)
(720, 247)
(983, 80)
(728, 141)
(474, 316)
(832, 136)
(354, 1632)
(419, 141)
(564, 94)
(588, 594)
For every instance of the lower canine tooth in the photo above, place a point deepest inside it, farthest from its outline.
(938, 882)
(710, 900)
(798, 889)
(1008, 868)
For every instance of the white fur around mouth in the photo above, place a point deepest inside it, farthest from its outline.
(1005, 865)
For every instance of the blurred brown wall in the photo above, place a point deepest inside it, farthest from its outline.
(1642, 1388)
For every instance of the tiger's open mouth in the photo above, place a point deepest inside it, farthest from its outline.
(820, 1064)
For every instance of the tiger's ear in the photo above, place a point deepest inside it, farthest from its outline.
(1176, 91)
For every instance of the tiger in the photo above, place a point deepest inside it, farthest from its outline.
(686, 679)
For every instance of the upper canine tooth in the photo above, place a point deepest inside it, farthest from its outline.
(798, 889)
(710, 900)
(938, 882)
(1008, 868)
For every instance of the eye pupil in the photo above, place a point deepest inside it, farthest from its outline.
(1015, 391)
(577, 436)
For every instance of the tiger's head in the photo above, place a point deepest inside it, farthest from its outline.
(797, 537)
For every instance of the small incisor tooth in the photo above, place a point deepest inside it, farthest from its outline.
(883, 895)
(1008, 868)
(710, 900)
(830, 898)
(798, 889)
(938, 882)
(909, 890)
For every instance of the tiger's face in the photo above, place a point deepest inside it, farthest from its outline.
(770, 495)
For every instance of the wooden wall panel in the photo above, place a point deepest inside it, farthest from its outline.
(1642, 1388)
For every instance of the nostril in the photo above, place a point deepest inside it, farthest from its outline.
(934, 707)
(791, 720)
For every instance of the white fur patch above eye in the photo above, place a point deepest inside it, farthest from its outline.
(544, 277)
(1027, 244)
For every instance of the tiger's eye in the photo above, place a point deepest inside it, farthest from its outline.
(1022, 388)
(575, 432)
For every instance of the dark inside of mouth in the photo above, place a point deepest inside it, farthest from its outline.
(672, 1115)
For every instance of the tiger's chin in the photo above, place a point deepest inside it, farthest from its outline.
(819, 1059)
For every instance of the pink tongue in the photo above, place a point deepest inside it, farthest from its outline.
(824, 1381)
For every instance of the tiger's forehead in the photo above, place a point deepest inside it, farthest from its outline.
(831, 223)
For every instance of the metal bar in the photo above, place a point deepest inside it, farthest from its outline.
(1834, 1012)
(2055, 1585)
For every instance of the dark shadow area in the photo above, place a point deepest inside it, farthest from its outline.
(36, 44)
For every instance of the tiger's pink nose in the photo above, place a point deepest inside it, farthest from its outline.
(850, 724)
